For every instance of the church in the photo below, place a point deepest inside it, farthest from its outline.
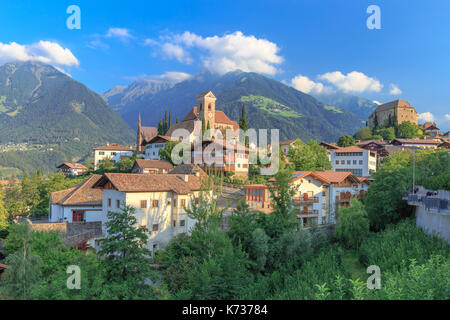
(204, 111)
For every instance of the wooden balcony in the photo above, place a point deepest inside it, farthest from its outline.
(304, 200)
(302, 213)
(343, 199)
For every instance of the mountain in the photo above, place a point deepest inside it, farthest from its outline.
(360, 106)
(269, 104)
(120, 96)
(52, 117)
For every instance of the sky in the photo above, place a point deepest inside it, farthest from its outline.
(316, 46)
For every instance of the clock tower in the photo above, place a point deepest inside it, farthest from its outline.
(206, 107)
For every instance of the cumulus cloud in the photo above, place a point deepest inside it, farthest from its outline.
(222, 54)
(171, 76)
(174, 51)
(354, 81)
(121, 33)
(394, 89)
(426, 117)
(376, 102)
(306, 85)
(42, 51)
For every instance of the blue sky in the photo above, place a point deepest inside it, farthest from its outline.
(313, 45)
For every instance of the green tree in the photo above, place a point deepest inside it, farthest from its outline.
(23, 273)
(387, 133)
(346, 141)
(3, 212)
(408, 130)
(353, 226)
(363, 134)
(309, 157)
(166, 152)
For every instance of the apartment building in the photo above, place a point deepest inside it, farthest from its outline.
(360, 162)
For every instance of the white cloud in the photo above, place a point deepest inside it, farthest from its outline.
(121, 33)
(174, 51)
(352, 82)
(394, 89)
(376, 102)
(222, 54)
(426, 117)
(306, 85)
(175, 76)
(42, 51)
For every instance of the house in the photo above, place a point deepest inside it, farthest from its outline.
(360, 162)
(418, 143)
(379, 146)
(445, 145)
(81, 203)
(230, 158)
(143, 134)
(430, 129)
(153, 145)
(317, 195)
(329, 145)
(159, 199)
(395, 111)
(204, 111)
(113, 151)
(72, 168)
(151, 166)
(186, 168)
(286, 144)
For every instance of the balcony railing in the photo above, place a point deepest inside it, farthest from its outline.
(308, 212)
(303, 199)
(343, 198)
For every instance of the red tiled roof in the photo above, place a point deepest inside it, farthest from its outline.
(148, 132)
(418, 141)
(81, 194)
(156, 164)
(114, 147)
(130, 182)
(73, 165)
(335, 176)
(349, 149)
(204, 94)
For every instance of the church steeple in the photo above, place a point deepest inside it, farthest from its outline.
(139, 136)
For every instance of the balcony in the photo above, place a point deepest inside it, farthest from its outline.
(303, 213)
(345, 198)
(304, 200)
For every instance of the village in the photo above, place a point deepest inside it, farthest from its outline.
(161, 191)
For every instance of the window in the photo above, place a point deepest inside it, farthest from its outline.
(354, 161)
(182, 223)
(337, 161)
(197, 200)
(155, 203)
(109, 202)
(118, 203)
(101, 153)
(174, 203)
(169, 202)
(143, 204)
(348, 161)
(342, 161)
(155, 227)
(77, 216)
(183, 202)
(360, 162)
(174, 223)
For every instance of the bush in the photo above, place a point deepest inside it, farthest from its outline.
(353, 226)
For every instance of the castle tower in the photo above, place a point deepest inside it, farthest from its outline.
(206, 107)
(139, 136)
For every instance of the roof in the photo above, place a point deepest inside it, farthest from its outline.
(188, 169)
(147, 132)
(131, 182)
(4, 182)
(417, 141)
(157, 164)
(81, 194)
(366, 142)
(221, 117)
(190, 125)
(393, 104)
(204, 94)
(156, 139)
(114, 147)
(349, 149)
(249, 186)
(428, 124)
(363, 179)
(329, 145)
(72, 165)
(223, 144)
(335, 176)
(285, 142)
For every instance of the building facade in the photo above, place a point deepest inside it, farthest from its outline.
(153, 145)
(151, 166)
(113, 151)
(73, 169)
(398, 110)
(360, 162)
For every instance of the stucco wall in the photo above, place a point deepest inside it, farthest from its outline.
(433, 223)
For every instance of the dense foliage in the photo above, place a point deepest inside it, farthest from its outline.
(309, 156)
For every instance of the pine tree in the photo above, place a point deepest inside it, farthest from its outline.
(165, 123)
(176, 120)
(243, 125)
(170, 120)
(160, 128)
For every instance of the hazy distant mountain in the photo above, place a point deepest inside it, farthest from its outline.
(40, 105)
(360, 106)
(269, 104)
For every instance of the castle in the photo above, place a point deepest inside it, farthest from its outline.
(385, 114)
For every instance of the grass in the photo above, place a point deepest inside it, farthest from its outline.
(334, 109)
(352, 265)
(271, 106)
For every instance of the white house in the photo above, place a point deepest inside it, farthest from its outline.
(159, 200)
(360, 162)
(153, 146)
(113, 151)
(151, 166)
(80, 203)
